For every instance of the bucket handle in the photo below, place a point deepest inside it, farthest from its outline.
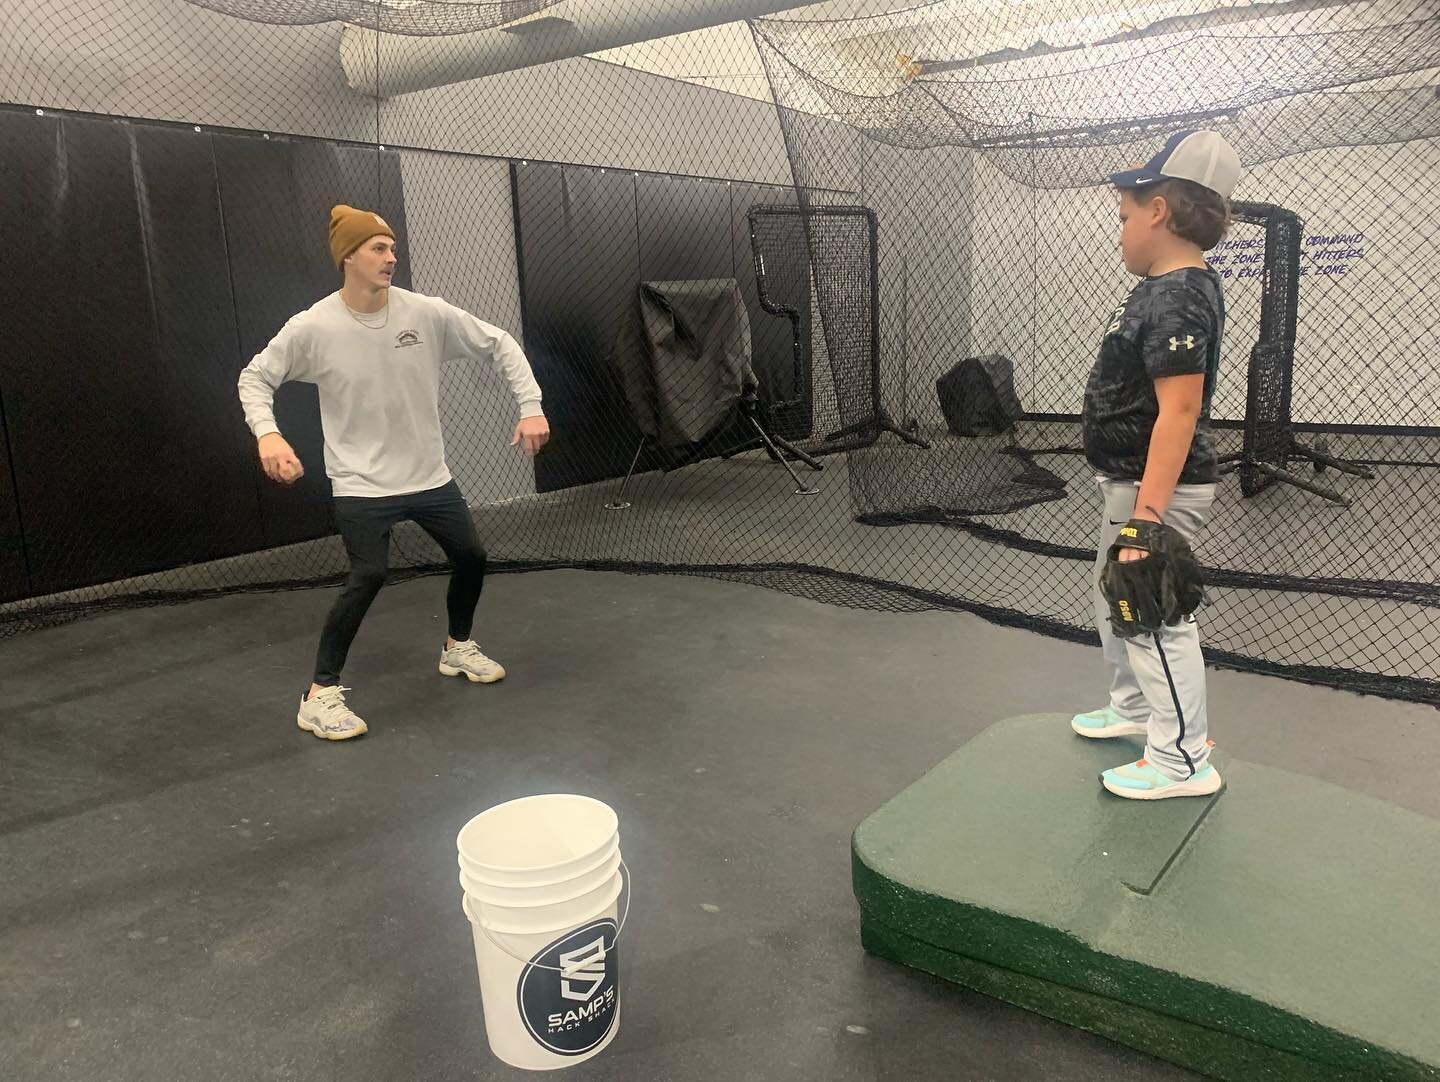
(479, 923)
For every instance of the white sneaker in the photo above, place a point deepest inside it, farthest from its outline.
(325, 714)
(465, 659)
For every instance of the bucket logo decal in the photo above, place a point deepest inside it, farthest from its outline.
(572, 1011)
(584, 971)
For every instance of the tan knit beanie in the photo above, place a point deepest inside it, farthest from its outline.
(350, 228)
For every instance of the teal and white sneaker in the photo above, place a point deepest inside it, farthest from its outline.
(1104, 724)
(465, 659)
(1142, 781)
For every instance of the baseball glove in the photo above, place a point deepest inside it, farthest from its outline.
(1159, 590)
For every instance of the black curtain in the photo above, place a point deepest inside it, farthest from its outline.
(152, 263)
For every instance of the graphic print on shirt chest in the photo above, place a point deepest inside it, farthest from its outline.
(1116, 319)
(1116, 361)
(407, 338)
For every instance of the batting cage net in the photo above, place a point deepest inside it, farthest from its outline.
(812, 294)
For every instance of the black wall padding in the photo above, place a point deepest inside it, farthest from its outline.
(579, 269)
(276, 195)
(684, 228)
(155, 262)
(587, 239)
(27, 147)
(14, 576)
(330, 173)
(213, 497)
(96, 458)
(784, 377)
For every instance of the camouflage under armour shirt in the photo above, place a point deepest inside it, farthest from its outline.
(1169, 325)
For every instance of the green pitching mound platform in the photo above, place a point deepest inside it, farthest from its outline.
(1283, 929)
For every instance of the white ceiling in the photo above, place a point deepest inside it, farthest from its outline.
(865, 36)
(858, 49)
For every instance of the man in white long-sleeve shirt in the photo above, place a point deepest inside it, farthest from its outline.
(375, 352)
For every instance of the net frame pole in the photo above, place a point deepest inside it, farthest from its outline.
(1269, 441)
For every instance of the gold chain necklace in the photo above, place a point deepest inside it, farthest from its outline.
(358, 317)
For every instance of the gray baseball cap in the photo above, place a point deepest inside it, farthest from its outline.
(1203, 157)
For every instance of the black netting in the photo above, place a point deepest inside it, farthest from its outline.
(907, 201)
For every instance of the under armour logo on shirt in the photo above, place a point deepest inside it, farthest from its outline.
(1189, 341)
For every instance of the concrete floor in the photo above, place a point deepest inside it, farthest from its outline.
(194, 889)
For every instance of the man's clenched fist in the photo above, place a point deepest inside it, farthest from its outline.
(278, 460)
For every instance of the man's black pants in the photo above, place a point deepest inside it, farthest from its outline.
(365, 524)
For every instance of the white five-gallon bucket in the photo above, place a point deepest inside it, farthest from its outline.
(542, 878)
